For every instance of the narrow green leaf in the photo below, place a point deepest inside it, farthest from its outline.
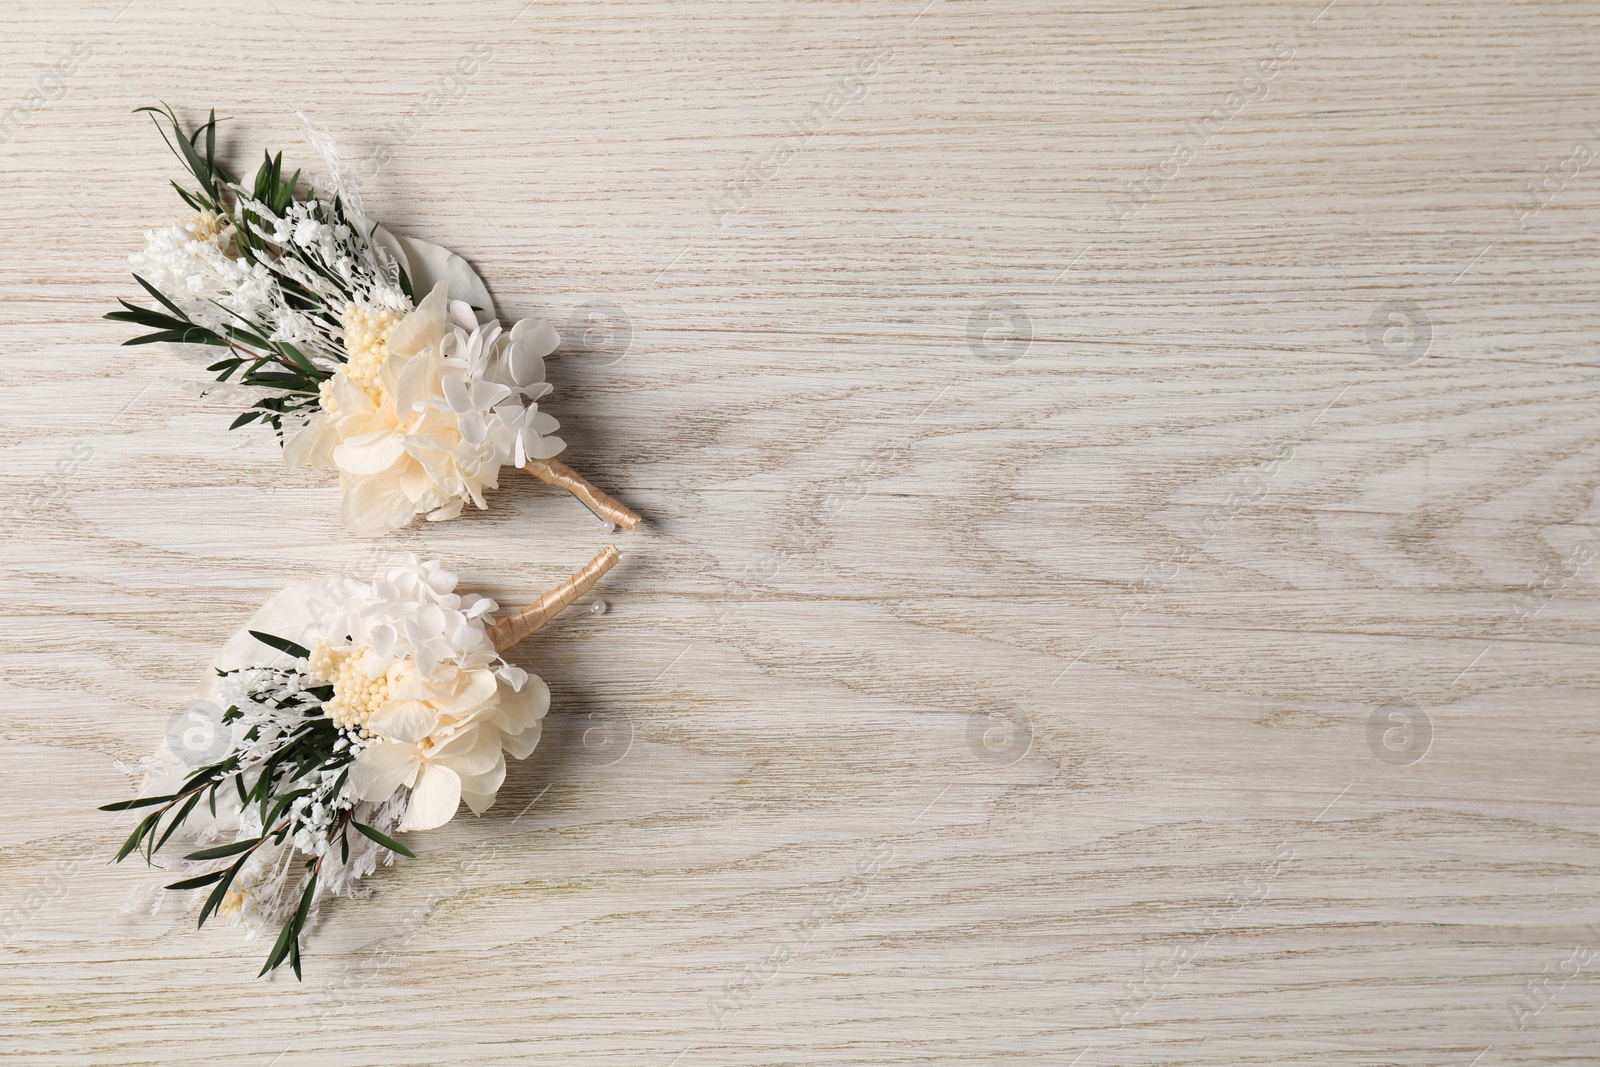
(221, 851)
(193, 336)
(295, 354)
(131, 845)
(281, 644)
(214, 901)
(153, 291)
(198, 881)
(194, 204)
(177, 820)
(280, 949)
(138, 802)
(383, 839)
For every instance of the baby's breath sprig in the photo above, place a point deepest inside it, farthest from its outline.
(263, 270)
(288, 775)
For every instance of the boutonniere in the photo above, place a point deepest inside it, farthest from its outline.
(355, 710)
(383, 351)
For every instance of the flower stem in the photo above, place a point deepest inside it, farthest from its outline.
(556, 473)
(509, 631)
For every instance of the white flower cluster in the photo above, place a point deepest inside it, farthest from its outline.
(328, 247)
(450, 708)
(191, 264)
(450, 711)
(453, 402)
(412, 611)
(270, 706)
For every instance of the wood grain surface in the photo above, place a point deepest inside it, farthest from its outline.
(1117, 584)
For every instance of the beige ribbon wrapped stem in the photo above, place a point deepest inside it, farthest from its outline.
(512, 629)
(556, 473)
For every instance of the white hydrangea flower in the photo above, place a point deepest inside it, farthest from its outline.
(448, 708)
(453, 402)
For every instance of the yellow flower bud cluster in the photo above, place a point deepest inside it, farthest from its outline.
(356, 697)
(366, 344)
(204, 225)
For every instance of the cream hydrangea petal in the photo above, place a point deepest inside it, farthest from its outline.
(424, 326)
(313, 445)
(485, 784)
(478, 802)
(349, 397)
(448, 512)
(474, 689)
(404, 720)
(520, 709)
(416, 383)
(413, 686)
(434, 798)
(370, 453)
(382, 768)
(375, 505)
(521, 745)
(472, 750)
(417, 486)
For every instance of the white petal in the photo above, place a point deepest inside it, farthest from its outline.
(521, 745)
(405, 720)
(370, 453)
(382, 768)
(313, 445)
(375, 506)
(546, 447)
(434, 798)
(474, 431)
(422, 327)
(474, 689)
(486, 395)
(382, 638)
(291, 613)
(428, 263)
(454, 388)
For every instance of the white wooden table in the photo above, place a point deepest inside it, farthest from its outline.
(1118, 585)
